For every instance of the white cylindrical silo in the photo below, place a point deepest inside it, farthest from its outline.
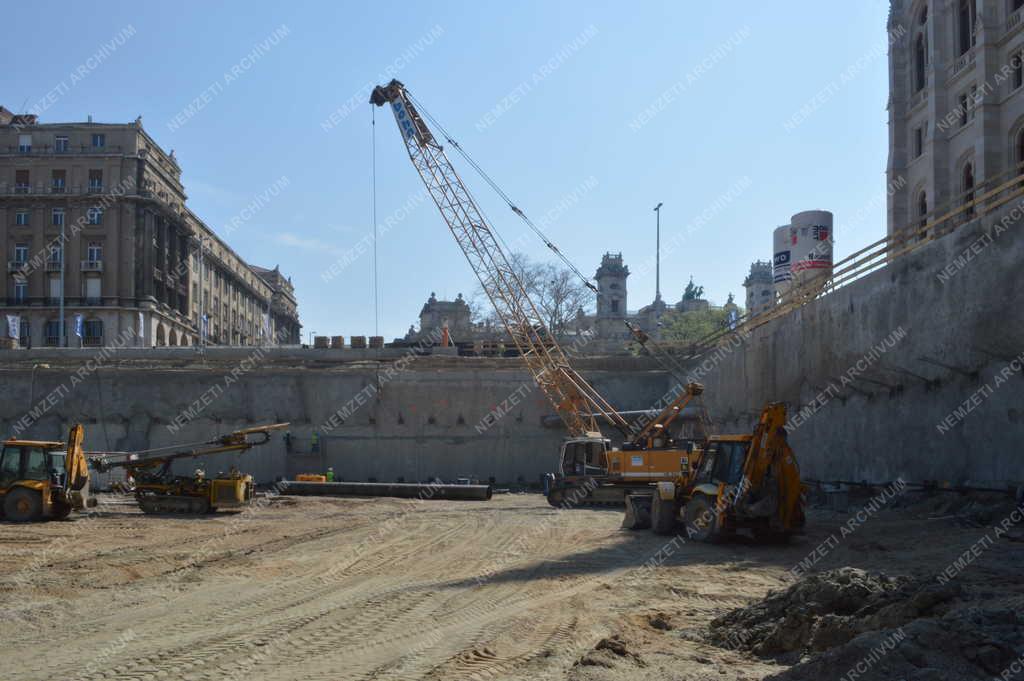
(781, 260)
(810, 244)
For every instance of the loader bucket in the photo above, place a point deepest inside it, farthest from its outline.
(638, 512)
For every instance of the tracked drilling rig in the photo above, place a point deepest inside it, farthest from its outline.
(589, 469)
(158, 490)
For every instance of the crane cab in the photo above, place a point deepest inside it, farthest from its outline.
(584, 457)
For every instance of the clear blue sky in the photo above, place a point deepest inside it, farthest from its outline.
(582, 73)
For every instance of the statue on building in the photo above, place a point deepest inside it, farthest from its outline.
(693, 292)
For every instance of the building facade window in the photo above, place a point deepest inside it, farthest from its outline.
(920, 61)
(21, 218)
(57, 217)
(92, 291)
(24, 333)
(58, 181)
(1019, 150)
(95, 251)
(968, 189)
(95, 216)
(52, 333)
(99, 141)
(20, 291)
(918, 141)
(61, 144)
(962, 106)
(95, 180)
(25, 144)
(22, 183)
(92, 333)
(1017, 62)
(56, 253)
(965, 26)
(21, 253)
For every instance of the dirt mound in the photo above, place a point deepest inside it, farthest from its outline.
(970, 644)
(875, 626)
(824, 610)
(612, 652)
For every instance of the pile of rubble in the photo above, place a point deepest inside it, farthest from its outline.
(849, 623)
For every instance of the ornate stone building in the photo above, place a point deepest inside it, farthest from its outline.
(760, 289)
(103, 206)
(437, 313)
(956, 102)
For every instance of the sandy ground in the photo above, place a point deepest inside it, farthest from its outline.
(307, 588)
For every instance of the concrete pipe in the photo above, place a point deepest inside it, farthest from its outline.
(404, 490)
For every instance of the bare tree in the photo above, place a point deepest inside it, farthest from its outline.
(556, 291)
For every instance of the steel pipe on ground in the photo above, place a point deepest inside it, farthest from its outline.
(405, 490)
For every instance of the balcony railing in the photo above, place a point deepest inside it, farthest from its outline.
(92, 265)
(962, 62)
(53, 265)
(48, 150)
(17, 265)
(1013, 21)
(43, 190)
(92, 301)
(57, 189)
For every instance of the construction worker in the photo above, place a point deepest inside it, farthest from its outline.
(314, 442)
(330, 474)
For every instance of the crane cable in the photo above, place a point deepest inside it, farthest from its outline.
(505, 197)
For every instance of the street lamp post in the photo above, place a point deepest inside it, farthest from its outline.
(61, 341)
(311, 334)
(657, 253)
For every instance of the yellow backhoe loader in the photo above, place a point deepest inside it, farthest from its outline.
(735, 484)
(42, 480)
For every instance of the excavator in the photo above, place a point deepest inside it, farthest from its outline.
(589, 469)
(43, 480)
(157, 490)
(747, 484)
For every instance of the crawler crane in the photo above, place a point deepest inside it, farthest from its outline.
(589, 470)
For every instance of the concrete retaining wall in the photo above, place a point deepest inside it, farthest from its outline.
(944, 402)
(913, 370)
(426, 420)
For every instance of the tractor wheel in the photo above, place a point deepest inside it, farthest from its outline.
(663, 515)
(23, 505)
(702, 520)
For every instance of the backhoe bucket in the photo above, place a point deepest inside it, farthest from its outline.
(638, 512)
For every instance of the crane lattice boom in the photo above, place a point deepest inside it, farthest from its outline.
(574, 399)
